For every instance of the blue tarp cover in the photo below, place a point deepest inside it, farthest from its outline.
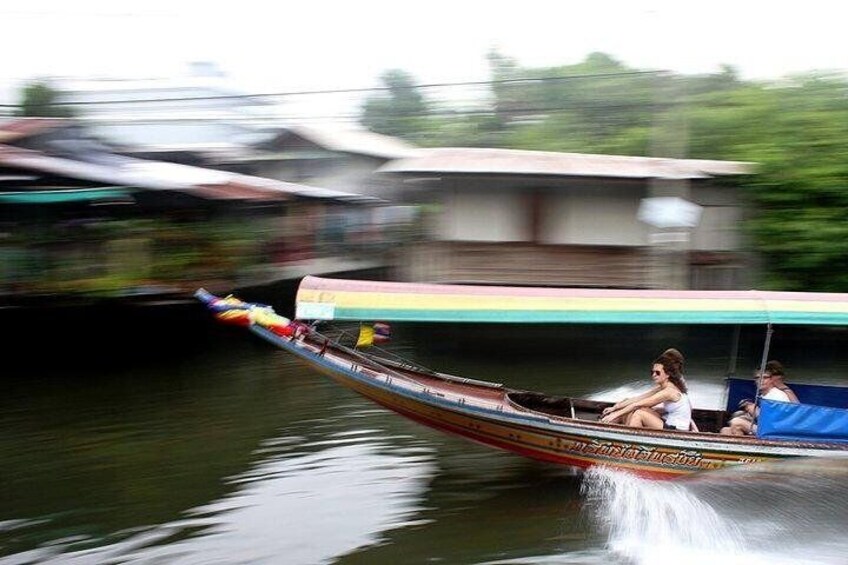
(820, 395)
(802, 422)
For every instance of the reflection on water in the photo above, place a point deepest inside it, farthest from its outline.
(234, 453)
(299, 507)
(325, 459)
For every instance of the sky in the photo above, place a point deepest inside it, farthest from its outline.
(267, 46)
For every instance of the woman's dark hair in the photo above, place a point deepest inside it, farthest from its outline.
(673, 367)
(774, 368)
(676, 356)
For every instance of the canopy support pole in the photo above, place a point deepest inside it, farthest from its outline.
(763, 362)
(734, 351)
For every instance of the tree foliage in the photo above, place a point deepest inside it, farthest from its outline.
(795, 129)
(400, 111)
(38, 99)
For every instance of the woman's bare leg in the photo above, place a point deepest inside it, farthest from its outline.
(645, 418)
(739, 426)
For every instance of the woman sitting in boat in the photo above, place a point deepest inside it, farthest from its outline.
(665, 406)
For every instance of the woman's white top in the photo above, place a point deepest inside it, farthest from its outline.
(679, 413)
(776, 394)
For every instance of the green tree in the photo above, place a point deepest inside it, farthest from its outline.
(795, 129)
(572, 107)
(38, 99)
(401, 110)
(802, 191)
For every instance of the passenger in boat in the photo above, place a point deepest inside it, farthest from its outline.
(677, 357)
(772, 387)
(665, 406)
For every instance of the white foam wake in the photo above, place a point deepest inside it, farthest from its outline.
(666, 522)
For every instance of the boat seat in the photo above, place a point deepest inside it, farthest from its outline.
(554, 405)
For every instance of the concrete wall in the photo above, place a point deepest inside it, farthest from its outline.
(519, 263)
(474, 214)
(593, 216)
(720, 228)
(555, 231)
(576, 212)
(569, 213)
(348, 173)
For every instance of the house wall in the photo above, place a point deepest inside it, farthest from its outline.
(336, 171)
(720, 228)
(577, 212)
(566, 213)
(297, 170)
(579, 232)
(471, 214)
(593, 216)
(354, 173)
(524, 263)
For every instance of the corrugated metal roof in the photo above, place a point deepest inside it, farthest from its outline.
(227, 191)
(460, 160)
(158, 175)
(356, 141)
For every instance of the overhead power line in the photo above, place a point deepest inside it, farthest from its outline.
(346, 90)
(443, 112)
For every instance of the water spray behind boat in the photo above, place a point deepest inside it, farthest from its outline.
(772, 513)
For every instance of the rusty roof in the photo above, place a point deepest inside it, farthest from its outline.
(158, 175)
(18, 128)
(464, 160)
(355, 141)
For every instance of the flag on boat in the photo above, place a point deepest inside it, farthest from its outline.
(266, 317)
(231, 310)
(371, 334)
(382, 332)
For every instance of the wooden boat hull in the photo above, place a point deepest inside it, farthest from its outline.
(487, 413)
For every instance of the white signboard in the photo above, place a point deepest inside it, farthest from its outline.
(315, 311)
(669, 212)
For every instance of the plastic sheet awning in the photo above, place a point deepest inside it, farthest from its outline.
(66, 196)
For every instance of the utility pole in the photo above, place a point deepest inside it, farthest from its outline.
(669, 246)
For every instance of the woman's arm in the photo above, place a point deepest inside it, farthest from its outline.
(642, 401)
(751, 409)
(628, 401)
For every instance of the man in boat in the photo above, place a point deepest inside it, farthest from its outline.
(772, 387)
(665, 406)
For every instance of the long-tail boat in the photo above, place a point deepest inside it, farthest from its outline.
(557, 429)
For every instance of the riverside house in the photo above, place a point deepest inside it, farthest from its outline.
(78, 219)
(499, 216)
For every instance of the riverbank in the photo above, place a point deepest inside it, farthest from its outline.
(66, 331)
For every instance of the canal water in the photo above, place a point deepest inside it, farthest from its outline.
(228, 451)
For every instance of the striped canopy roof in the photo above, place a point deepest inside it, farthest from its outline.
(337, 299)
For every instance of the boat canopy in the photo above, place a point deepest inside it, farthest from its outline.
(339, 299)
